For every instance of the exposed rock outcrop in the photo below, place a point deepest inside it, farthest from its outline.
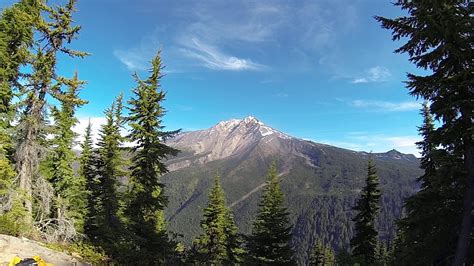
(25, 248)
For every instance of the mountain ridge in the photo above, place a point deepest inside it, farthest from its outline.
(321, 182)
(235, 135)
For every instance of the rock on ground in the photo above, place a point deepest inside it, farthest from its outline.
(25, 248)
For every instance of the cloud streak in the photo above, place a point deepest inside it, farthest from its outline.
(386, 106)
(96, 124)
(80, 128)
(377, 143)
(212, 58)
(230, 34)
(374, 74)
(132, 59)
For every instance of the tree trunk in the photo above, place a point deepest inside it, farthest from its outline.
(466, 225)
(27, 155)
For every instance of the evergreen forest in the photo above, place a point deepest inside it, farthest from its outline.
(105, 198)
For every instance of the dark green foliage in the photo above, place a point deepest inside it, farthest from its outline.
(344, 258)
(364, 243)
(53, 31)
(67, 184)
(146, 197)
(320, 200)
(88, 174)
(269, 242)
(219, 243)
(433, 213)
(106, 228)
(16, 34)
(382, 256)
(322, 255)
(439, 38)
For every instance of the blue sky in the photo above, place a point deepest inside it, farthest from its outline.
(321, 70)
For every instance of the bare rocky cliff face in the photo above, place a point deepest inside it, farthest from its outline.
(227, 138)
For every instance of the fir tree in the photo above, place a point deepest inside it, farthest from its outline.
(364, 243)
(67, 185)
(87, 172)
(54, 29)
(144, 210)
(269, 242)
(219, 243)
(322, 255)
(108, 228)
(16, 35)
(344, 258)
(439, 38)
(432, 213)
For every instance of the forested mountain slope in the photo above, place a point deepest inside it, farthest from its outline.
(320, 182)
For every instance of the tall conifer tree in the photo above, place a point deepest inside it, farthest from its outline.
(364, 243)
(54, 30)
(432, 213)
(269, 242)
(88, 174)
(146, 197)
(219, 243)
(67, 185)
(108, 228)
(439, 38)
(16, 36)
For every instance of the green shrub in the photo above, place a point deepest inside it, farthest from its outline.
(89, 253)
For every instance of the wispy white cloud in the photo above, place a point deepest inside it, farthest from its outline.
(233, 33)
(374, 74)
(282, 95)
(360, 80)
(221, 22)
(212, 58)
(138, 57)
(80, 128)
(377, 143)
(404, 141)
(96, 124)
(132, 59)
(386, 106)
(380, 142)
(343, 144)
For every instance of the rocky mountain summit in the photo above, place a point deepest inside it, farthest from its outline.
(225, 139)
(237, 136)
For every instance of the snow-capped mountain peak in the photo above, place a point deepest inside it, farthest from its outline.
(237, 137)
(227, 138)
(249, 124)
(251, 120)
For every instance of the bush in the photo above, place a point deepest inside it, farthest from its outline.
(88, 252)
